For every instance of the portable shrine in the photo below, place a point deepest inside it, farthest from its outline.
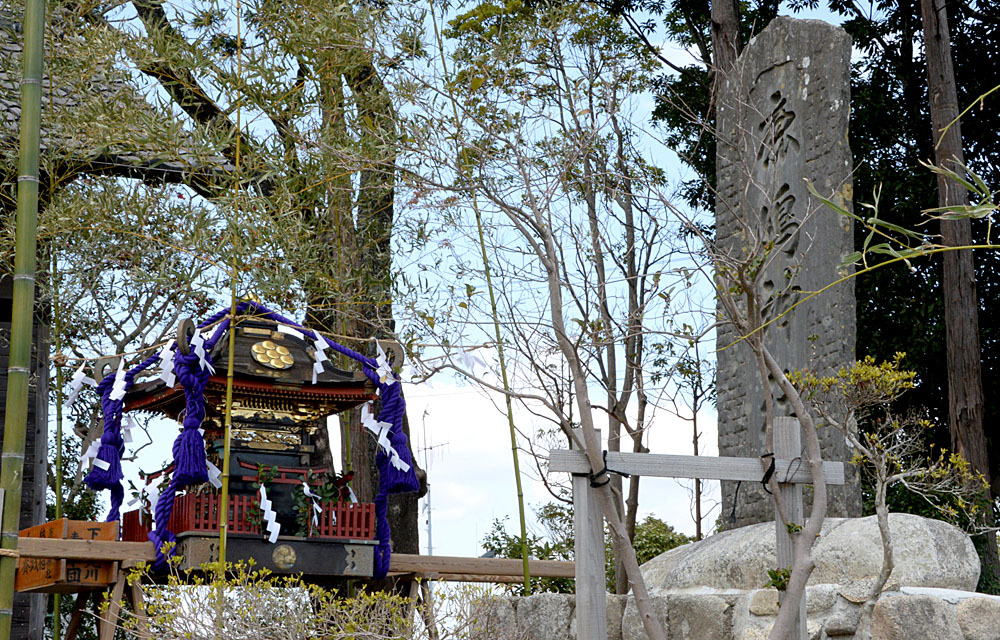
(284, 388)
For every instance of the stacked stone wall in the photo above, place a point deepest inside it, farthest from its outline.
(833, 611)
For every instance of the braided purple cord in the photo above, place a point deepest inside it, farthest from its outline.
(390, 479)
(161, 534)
(112, 444)
(190, 462)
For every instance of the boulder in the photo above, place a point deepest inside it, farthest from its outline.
(979, 618)
(904, 617)
(928, 553)
(699, 617)
(492, 617)
(632, 627)
(545, 616)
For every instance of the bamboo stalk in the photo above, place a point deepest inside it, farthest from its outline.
(22, 314)
(234, 280)
(500, 353)
(227, 429)
(510, 409)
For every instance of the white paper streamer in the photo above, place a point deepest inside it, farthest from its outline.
(319, 356)
(316, 509)
(384, 369)
(127, 428)
(397, 462)
(90, 454)
(151, 494)
(198, 345)
(214, 475)
(381, 431)
(270, 517)
(378, 428)
(350, 491)
(76, 384)
(167, 365)
(290, 331)
(321, 346)
(471, 362)
(102, 464)
(118, 387)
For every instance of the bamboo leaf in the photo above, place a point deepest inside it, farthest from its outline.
(895, 227)
(851, 258)
(831, 204)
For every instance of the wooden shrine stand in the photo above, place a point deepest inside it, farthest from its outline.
(588, 519)
(57, 557)
(108, 622)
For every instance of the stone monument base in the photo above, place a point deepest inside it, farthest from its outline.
(909, 613)
(712, 590)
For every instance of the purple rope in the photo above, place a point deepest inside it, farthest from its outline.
(112, 444)
(190, 463)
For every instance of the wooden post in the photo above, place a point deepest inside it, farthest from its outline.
(788, 446)
(139, 606)
(77, 616)
(588, 525)
(110, 623)
(791, 471)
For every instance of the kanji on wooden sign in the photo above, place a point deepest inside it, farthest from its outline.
(51, 575)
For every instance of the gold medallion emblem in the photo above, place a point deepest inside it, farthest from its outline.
(272, 355)
(283, 557)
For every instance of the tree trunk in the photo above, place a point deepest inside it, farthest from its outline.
(726, 43)
(362, 266)
(961, 304)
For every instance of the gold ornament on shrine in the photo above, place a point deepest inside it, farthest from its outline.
(272, 355)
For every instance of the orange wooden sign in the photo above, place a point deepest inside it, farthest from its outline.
(52, 575)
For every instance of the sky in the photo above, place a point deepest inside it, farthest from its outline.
(471, 473)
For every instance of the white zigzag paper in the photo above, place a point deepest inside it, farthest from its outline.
(118, 387)
(167, 365)
(270, 517)
(76, 384)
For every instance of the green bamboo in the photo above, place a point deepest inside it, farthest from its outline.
(234, 280)
(22, 315)
(227, 429)
(510, 410)
(496, 328)
(57, 330)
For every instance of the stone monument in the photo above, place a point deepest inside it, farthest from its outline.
(782, 119)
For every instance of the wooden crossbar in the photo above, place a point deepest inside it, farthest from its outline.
(401, 563)
(703, 467)
(85, 549)
(449, 565)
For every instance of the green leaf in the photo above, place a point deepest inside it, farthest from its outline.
(851, 258)
(895, 227)
(476, 83)
(830, 203)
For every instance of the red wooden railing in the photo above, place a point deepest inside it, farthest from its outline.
(200, 512)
